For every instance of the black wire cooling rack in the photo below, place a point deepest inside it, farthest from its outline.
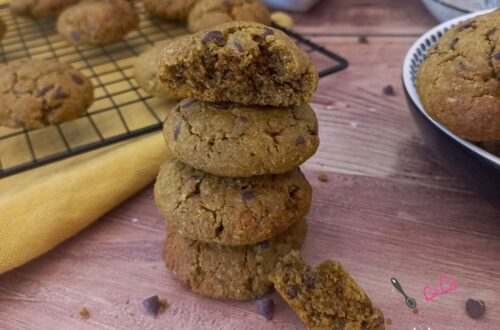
(118, 99)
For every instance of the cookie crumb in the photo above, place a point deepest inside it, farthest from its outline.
(84, 313)
(363, 39)
(389, 90)
(475, 308)
(415, 311)
(323, 178)
(265, 307)
(388, 321)
(282, 19)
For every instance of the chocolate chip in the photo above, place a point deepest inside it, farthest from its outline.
(215, 36)
(188, 103)
(363, 39)
(265, 308)
(247, 196)
(177, 131)
(243, 120)
(59, 94)
(497, 56)
(221, 105)
(389, 90)
(310, 281)
(453, 43)
(475, 308)
(75, 36)
(267, 32)
(462, 66)
(77, 79)
(44, 90)
(195, 177)
(152, 305)
(19, 122)
(263, 245)
(300, 140)
(467, 25)
(292, 291)
(238, 46)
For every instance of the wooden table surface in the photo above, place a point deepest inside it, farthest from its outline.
(388, 209)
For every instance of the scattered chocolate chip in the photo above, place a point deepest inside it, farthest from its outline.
(59, 94)
(247, 196)
(310, 281)
(44, 90)
(467, 25)
(475, 308)
(188, 102)
(263, 245)
(292, 291)
(267, 32)
(492, 32)
(238, 46)
(389, 90)
(323, 178)
(221, 105)
(265, 308)
(300, 140)
(497, 56)
(177, 131)
(77, 79)
(363, 39)
(84, 313)
(152, 305)
(453, 43)
(215, 36)
(75, 36)
(388, 321)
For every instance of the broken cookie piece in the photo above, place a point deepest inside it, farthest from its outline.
(325, 297)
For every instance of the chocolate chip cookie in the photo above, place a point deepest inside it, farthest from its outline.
(230, 211)
(97, 22)
(459, 82)
(171, 10)
(325, 297)
(39, 8)
(219, 271)
(239, 62)
(241, 141)
(209, 13)
(37, 93)
(145, 71)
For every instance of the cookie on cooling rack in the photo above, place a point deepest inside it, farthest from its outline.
(97, 22)
(39, 8)
(208, 13)
(172, 10)
(37, 93)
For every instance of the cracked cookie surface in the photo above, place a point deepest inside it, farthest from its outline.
(239, 62)
(458, 83)
(325, 297)
(209, 13)
(37, 93)
(97, 22)
(241, 141)
(171, 10)
(219, 271)
(39, 8)
(230, 211)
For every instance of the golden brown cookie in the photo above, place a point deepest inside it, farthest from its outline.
(171, 10)
(239, 62)
(219, 271)
(97, 22)
(39, 8)
(209, 13)
(325, 297)
(230, 211)
(241, 141)
(459, 82)
(37, 93)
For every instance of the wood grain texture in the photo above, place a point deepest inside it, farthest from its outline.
(388, 209)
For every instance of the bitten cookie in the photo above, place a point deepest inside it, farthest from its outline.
(239, 62)
(241, 141)
(230, 211)
(219, 271)
(39, 8)
(172, 10)
(459, 82)
(145, 71)
(97, 22)
(209, 13)
(325, 297)
(37, 93)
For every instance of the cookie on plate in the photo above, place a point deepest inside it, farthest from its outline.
(171, 10)
(459, 82)
(145, 71)
(241, 141)
(208, 13)
(97, 22)
(219, 271)
(37, 93)
(230, 211)
(239, 62)
(325, 297)
(39, 8)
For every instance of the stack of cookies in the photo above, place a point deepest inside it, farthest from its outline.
(233, 195)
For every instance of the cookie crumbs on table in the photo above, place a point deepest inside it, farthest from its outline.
(84, 313)
(323, 178)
